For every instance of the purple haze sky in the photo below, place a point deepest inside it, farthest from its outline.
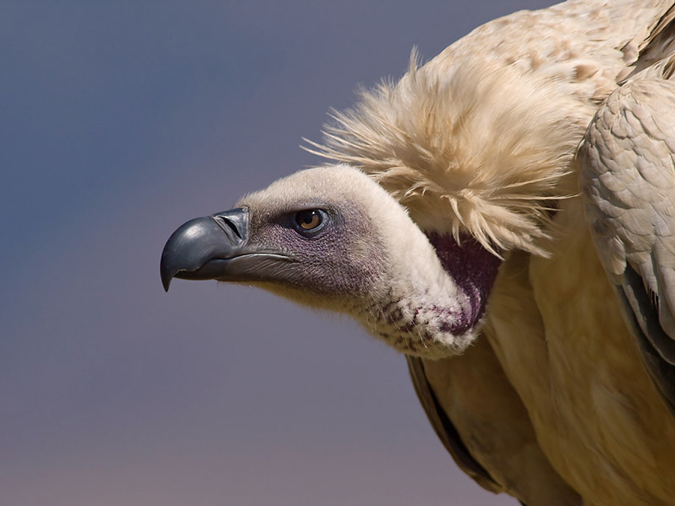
(120, 121)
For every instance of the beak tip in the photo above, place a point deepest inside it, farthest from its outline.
(167, 267)
(166, 278)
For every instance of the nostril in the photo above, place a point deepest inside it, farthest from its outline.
(224, 222)
(234, 223)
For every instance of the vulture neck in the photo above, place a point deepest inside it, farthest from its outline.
(436, 308)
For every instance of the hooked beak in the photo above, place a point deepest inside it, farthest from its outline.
(218, 247)
(201, 248)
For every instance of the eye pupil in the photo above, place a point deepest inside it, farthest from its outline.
(309, 220)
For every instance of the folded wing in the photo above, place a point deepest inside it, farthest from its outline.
(627, 162)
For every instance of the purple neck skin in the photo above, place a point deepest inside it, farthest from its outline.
(473, 268)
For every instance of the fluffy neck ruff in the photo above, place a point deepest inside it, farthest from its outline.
(478, 142)
(438, 309)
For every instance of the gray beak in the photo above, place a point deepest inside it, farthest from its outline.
(201, 248)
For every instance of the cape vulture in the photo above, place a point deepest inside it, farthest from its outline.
(504, 216)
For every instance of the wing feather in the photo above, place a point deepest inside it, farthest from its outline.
(445, 429)
(627, 162)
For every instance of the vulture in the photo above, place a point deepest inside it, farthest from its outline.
(504, 216)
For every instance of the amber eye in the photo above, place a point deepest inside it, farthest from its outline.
(310, 219)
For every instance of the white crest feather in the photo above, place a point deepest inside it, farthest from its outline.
(473, 147)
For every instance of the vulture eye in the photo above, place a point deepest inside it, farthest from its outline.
(310, 220)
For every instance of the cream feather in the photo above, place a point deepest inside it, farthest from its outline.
(463, 151)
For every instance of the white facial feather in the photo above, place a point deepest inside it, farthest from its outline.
(412, 304)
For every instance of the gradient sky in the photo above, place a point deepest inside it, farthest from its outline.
(121, 120)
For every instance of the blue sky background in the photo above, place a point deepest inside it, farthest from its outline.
(118, 122)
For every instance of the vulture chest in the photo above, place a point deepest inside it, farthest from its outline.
(554, 325)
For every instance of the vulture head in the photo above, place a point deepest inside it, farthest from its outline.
(332, 238)
(435, 178)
